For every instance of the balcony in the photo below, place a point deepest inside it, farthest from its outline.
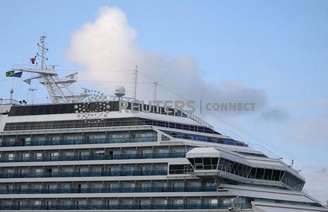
(117, 207)
(97, 157)
(77, 141)
(110, 190)
(85, 174)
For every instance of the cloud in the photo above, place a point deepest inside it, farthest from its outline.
(312, 130)
(107, 49)
(274, 115)
(319, 180)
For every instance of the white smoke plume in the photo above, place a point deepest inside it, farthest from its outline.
(107, 50)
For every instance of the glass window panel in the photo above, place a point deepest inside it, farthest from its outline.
(38, 155)
(260, 173)
(11, 156)
(26, 155)
(54, 154)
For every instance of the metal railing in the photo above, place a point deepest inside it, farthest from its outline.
(85, 174)
(110, 190)
(96, 157)
(76, 141)
(118, 207)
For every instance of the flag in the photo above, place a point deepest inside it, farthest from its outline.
(33, 59)
(13, 74)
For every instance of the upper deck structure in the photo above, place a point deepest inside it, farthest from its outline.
(121, 155)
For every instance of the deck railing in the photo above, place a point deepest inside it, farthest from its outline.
(111, 190)
(85, 174)
(119, 207)
(96, 157)
(76, 141)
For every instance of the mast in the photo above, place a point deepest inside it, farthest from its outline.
(43, 50)
(58, 88)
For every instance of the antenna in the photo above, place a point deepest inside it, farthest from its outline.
(135, 81)
(43, 50)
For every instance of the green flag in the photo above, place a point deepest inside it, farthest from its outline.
(13, 74)
(10, 73)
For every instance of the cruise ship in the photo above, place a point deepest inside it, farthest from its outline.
(89, 152)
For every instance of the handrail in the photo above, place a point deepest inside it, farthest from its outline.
(78, 141)
(85, 174)
(199, 120)
(98, 157)
(111, 190)
(121, 207)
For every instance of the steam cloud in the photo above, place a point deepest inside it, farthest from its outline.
(108, 51)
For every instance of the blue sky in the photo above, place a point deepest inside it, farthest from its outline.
(279, 47)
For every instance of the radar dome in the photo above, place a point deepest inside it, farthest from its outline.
(120, 91)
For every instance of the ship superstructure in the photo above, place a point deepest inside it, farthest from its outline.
(73, 155)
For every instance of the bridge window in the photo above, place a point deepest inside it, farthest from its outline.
(180, 169)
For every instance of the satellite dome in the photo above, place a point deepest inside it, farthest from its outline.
(119, 91)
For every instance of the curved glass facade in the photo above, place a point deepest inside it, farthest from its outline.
(249, 172)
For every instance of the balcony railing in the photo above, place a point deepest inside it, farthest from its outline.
(110, 190)
(119, 207)
(76, 141)
(85, 174)
(96, 157)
